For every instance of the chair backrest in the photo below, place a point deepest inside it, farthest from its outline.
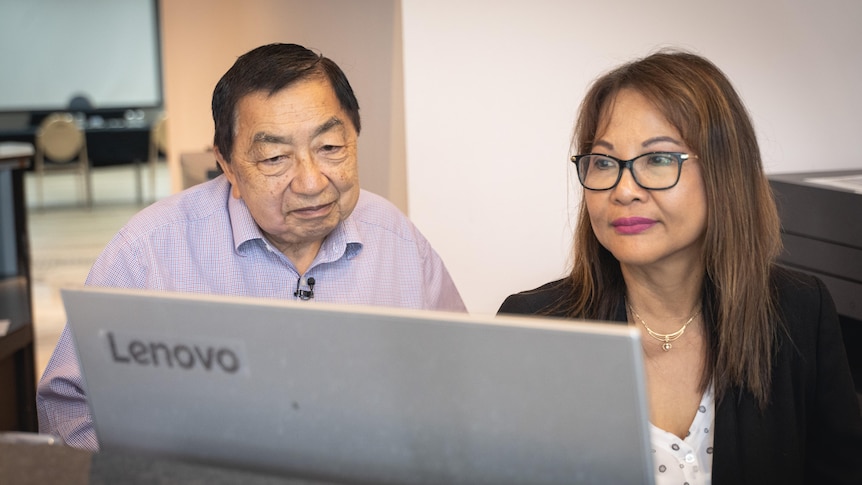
(60, 138)
(159, 134)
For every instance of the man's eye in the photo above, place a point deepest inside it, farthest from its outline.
(332, 152)
(272, 160)
(274, 165)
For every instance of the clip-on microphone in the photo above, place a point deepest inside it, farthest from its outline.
(305, 294)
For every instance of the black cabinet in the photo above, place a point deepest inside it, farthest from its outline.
(17, 359)
(821, 218)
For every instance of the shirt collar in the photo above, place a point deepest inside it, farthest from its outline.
(344, 240)
(242, 224)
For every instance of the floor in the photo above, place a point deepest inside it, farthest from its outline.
(66, 237)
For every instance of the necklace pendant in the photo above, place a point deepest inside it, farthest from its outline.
(666, 339)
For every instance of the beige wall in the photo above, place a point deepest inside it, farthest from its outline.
(202, 38)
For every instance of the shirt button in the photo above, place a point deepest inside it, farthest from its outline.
(689, 458)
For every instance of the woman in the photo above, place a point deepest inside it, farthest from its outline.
(747, 376)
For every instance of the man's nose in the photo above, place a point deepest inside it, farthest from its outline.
(309, 178)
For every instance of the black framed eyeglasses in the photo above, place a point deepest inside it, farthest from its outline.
(652, 171)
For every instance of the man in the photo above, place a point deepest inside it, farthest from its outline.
(286, 220)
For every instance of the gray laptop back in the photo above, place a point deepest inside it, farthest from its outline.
(362, 394)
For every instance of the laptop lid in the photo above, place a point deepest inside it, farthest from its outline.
(364, 394)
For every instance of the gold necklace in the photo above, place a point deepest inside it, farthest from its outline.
(665, 338)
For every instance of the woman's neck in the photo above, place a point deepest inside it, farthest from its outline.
(668, 294)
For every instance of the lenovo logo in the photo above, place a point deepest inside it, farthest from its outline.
(185, 356)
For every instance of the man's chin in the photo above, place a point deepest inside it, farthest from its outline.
(306, 232)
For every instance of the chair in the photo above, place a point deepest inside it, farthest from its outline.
(158, 147)
(62, 146)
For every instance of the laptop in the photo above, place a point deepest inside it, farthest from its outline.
(362, 394)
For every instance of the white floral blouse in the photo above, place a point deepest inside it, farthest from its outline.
(686, 461)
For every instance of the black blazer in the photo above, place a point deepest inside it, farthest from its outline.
(811, 431)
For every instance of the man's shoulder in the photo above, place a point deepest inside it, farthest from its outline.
(371, 205)
(375, 213)
(193, 205)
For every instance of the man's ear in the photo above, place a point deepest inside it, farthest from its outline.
(222, 163)
(227, 168)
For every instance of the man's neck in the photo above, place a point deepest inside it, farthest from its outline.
(300, 254)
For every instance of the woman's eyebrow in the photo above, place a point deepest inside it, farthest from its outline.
(660, 139)
(603, 143)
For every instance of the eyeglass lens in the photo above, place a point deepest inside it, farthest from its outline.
(651, 170)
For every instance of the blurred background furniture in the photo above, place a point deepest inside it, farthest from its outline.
(17, 359)
(158, 149)
(198, 167)
(80, 104)
(112, 136)
(62, 146)
(821, 228)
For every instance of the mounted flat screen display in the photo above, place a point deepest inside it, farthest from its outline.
(54, 50)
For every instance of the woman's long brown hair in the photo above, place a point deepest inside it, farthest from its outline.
(742, 236)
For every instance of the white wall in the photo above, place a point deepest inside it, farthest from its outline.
(492, 87)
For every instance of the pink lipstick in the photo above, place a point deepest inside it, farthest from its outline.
(632, 225)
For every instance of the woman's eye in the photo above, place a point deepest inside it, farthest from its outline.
(661, 160)
(604, 164)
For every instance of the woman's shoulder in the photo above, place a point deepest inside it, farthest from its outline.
(797, 291)
(547, 299)
(804, 305)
